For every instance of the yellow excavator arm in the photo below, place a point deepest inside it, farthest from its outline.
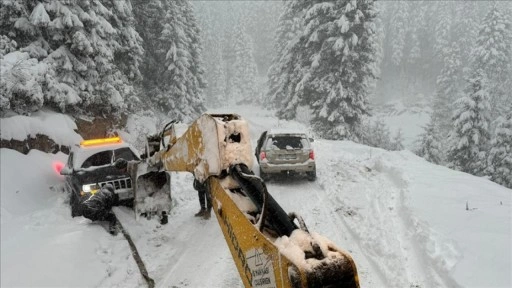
(268, 247)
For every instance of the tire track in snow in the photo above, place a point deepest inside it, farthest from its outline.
(371, 205)
(188, 251)
(415, 235)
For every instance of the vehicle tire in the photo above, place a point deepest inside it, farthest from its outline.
(264, 176)
(311, 175)
(74, 203)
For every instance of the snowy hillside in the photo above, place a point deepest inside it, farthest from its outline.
(406, 222)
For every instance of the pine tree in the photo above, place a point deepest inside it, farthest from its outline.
(172, 68)
(149, 18)
(375, 133)
(465, 29)
(397, 142)
(7, 45)
(335, 68)
(500, 155)
(492, 55)
(84, 47)
(443, 30)
(470, 135)
(181, 91)
(244, 85)
(399, 24)
(381, 136)
(217, 83)
(288, 29)
(430, 145)
(448, 89)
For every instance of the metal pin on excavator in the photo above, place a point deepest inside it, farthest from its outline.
(268, 247)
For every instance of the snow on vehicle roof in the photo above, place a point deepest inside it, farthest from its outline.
(275, 131)
(81, 153)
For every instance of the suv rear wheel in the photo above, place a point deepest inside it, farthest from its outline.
(264, 176)
(311, 175)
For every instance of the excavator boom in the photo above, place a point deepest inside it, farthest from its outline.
(268, 247)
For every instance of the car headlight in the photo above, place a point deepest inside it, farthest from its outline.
(90, 188)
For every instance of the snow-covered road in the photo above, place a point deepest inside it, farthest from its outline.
(403, 220)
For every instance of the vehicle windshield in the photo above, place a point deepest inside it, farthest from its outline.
(98, 159)
(124, 153)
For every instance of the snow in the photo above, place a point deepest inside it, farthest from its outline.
(39, 17)
(403, 220)
(57, 127)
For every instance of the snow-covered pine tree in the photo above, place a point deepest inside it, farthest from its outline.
(397, 141)
(149, 18)
(470, 134)
(15, 23)
(399, 25)
(21, 79)
(430, 143)
(180, 96)
(7, 45)
(337, 63)
(443, 28)
(380, 135)
(22, 75)
(500, 155)
(465, 29)
(214, 66)
(78, 43)
(197, 84)
(288, 29)
(448, 89)
(217, 83)
(492, 55)
(244, 87)
(263, 20)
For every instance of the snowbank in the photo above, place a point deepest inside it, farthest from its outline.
(410, 218)
(41, 245)
(58, 127)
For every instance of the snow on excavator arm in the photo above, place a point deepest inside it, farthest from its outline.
(268, 248)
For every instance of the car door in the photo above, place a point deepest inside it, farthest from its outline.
(260, 142)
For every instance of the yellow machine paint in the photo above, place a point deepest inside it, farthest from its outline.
(208, 148)
(248, 246)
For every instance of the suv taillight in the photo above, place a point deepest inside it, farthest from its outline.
(311, 155)
(263, 156)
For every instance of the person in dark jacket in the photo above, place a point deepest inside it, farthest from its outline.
(204, 200)
(99, 207)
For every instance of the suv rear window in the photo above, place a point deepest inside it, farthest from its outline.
(287, 142)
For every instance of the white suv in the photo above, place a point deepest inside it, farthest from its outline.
(90, 166)
(285, 152)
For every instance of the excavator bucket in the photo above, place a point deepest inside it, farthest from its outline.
(152, 187)
(153, 195)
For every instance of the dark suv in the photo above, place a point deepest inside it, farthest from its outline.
(285, 151)
(90, 166)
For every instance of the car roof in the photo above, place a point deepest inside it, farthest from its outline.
(285, 131)
(81, 153)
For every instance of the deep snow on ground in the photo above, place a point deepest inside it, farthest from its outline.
(403, 219)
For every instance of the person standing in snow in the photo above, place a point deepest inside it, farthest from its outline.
(204, 200)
